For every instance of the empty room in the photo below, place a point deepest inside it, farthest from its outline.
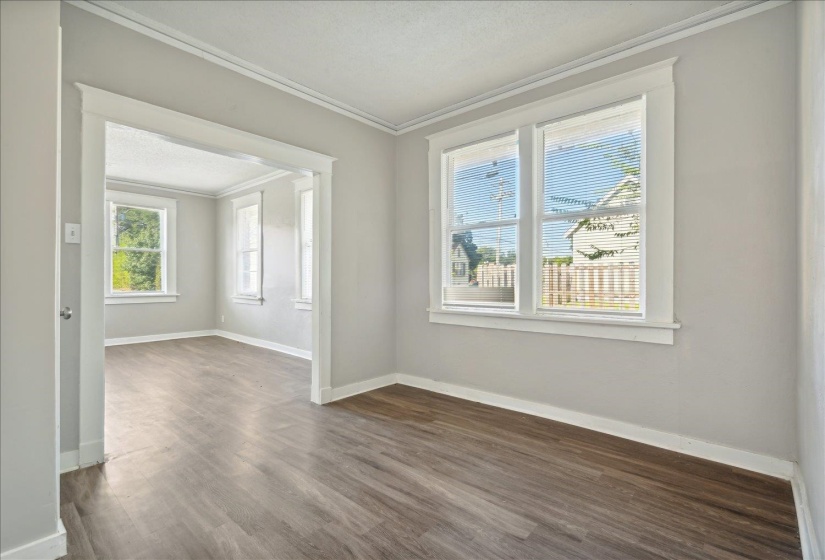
(526, 280)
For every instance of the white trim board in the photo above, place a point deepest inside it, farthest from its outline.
(128, 183)
(49, 547)
(157, 337)
(232, 189)
(705, 450)
(100, 107)
(69, 461)
(727, 13)
(807, 532)
(359, 387)
(282, 348)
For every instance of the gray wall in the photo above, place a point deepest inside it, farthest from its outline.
(811, 177)
(195, 308)
(28, 217)
(110, 57)
(730, 376)
(276, 320)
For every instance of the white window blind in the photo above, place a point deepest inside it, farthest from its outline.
(248, 246)
(480, 223)
(306, 244)
(591, 222)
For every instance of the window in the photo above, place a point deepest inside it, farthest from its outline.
(591, 213)
(303, 242)
(557, 217)
(140, 248)
(305, 255)
(247, 237)
(480, 236)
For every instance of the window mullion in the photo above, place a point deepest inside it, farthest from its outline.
(525, 295)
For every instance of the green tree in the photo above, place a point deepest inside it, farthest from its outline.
(488, 255)
(625, 157)
(558, 260)
(137, 271)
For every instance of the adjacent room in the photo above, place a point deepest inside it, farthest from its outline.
(205, 235)
(438, 279)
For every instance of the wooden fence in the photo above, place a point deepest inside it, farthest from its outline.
(603, 286)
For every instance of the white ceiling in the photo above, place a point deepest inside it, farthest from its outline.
(144, 157)
(400, 62)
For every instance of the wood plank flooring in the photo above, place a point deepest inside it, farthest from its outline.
(214, 451)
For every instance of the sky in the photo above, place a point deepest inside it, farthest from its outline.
(576, 177)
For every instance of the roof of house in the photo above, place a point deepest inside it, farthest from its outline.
(604, 201)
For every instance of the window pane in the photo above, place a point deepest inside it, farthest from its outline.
(591, 263)
(483, 181)
(306, 244)
(482, 267)
(248, 228)
(594, 160)
(136, 228)
(248, 273)
(136, 271)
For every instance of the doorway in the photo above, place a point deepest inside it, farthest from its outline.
(102, 109)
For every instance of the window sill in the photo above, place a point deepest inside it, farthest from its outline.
(637, 330)
(140, 298)
(248, 300)
(304, 304)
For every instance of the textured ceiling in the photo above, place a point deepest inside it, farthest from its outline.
(143, 157)
(399, 61)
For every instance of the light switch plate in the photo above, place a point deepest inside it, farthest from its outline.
(72, 233)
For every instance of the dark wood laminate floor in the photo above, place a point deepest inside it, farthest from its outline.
(214, 451)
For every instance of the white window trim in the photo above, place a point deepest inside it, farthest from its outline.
(251, 199)
(654, 83)
(301, 185)
(169, 293)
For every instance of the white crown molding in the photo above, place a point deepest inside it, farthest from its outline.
(156, 187)
(277, 174)
(136, 22)
(253, 183)
(727, 13)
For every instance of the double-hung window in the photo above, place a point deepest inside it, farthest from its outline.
(303, 243)
(480, 224)
(557, 217)
(248, 258)
(590, 210)
(140, 248)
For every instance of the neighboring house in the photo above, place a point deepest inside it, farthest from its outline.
(459, 266)
(585, 241)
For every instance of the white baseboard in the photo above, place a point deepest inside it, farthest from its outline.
(90, 453)
(807, 532)
(697, 448)
(157, 337)
(284, 349)
(69, 461)
(352, 389)
(47, 548)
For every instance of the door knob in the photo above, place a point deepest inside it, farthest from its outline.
(66, 313)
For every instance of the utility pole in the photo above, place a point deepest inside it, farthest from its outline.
(502, 194)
